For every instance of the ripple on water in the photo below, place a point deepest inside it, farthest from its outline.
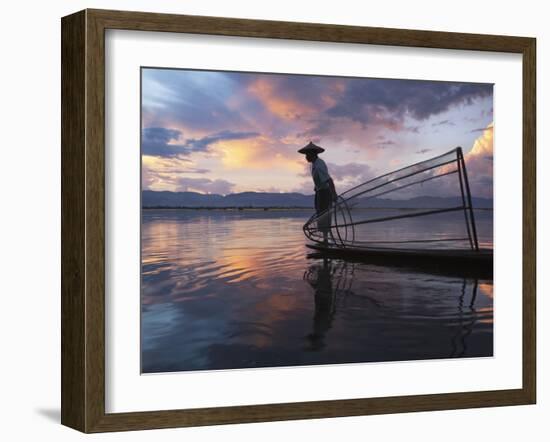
(234, 290)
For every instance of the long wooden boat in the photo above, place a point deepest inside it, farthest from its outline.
(476, 263)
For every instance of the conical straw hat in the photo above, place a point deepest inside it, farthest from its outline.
(311, 148)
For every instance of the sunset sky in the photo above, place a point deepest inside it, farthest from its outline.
(228, 132)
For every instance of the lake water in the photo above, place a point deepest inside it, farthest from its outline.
(236, 289)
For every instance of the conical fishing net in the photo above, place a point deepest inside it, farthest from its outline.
(424, 205)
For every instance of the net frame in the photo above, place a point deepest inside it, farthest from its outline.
(343, 228)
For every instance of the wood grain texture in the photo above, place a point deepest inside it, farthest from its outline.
(73, 258)
(83, 220)
(95, 221)
(194, 24)
(529, 220)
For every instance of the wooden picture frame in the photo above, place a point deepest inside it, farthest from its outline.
(83, 220)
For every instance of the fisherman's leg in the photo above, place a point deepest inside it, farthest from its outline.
(325, 206)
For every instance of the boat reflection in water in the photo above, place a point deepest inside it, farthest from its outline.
(332, 283)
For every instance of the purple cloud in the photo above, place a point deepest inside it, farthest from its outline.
(367, 99)
(443, 123)
(354, 171)
(155, 141)
(202, 144)
(386, 143)
(344, 175)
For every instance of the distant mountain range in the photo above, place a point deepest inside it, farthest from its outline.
(152, 199)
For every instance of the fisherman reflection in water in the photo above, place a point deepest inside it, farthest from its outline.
(325, 192)
(320, 278)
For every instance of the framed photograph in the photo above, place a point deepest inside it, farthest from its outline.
(270, 220)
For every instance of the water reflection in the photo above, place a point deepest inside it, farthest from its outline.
(332, 281)
(237, 290)
(320, 279)
(466, 320)
(332, 284)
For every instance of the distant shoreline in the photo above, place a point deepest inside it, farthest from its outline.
(238, 208)
(224, 208)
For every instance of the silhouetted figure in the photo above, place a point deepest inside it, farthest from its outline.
(325, 192)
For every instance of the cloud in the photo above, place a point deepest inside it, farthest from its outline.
(443, 123)
(259, 153)
(293, 97)
(160, 134)
(479, 168)
(245, 128)
(379, 100)
(203, 185)
(198, 101)
(386, 143)
(284, 107)
(479, 164)
(156, 141)
(161, 177)
(482, 150)
(345, 176)
(355, 172)
(161, 173)
(316, 128)
(202, 144)
(171, 165)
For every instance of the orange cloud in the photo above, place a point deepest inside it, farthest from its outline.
(285, 108)
(479, 162)
(257, 153)
(480, 158)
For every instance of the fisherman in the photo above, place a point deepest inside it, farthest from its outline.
(325, 192)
